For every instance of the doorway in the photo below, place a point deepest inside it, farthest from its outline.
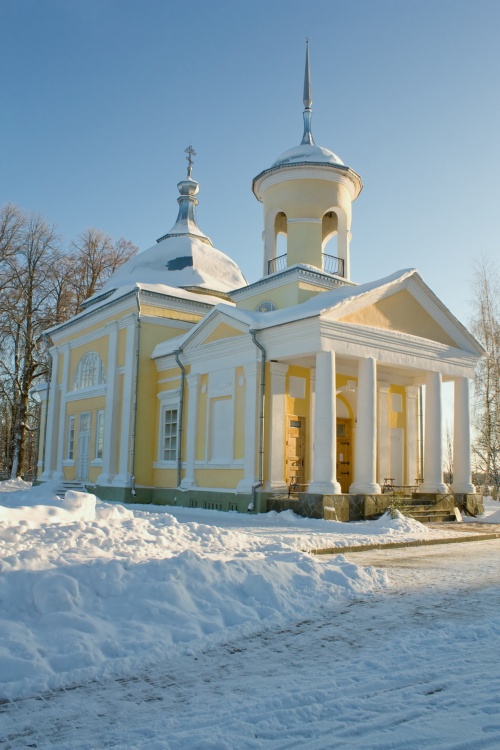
(344, 454)
(295, 450)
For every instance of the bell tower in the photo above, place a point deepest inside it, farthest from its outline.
(307, 195)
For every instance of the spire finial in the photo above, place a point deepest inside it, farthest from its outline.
(307, 79)
(190, 153)
(307, 137)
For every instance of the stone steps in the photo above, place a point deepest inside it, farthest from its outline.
(69, 484)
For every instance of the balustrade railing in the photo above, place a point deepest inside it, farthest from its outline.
(331, 264)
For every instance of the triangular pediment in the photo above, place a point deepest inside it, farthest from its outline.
(222, 331)
(401, 312)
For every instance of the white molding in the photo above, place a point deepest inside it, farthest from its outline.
(173, 395)
(165, 464)
(68, 462)
(297, 274)
(92, 391)
(307, 219)
(68, 329)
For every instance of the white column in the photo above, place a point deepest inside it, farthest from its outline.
(411, 433)
(366, 431)
(108, 470)
(51, 417)
(461, 439)
(433, 436)
(58, 473)
(123, 478)
(192, 415)
(312, 414)
(383, 435)
(251, 428)
(325, 428)
(277, 414)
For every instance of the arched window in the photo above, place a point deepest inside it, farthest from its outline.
(90, 372)
(266, 306)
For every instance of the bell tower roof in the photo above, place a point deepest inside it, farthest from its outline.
(307, 154)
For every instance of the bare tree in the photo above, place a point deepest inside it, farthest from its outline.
(486, 327)
(94, 257)
(40, 286)
(26, 310)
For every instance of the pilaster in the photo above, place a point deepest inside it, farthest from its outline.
(192, 408)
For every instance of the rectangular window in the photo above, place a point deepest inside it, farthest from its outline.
(71, 439)
(169, 437)
(99, 434)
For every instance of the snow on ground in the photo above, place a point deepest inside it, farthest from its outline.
(491, 512)
(91, 589)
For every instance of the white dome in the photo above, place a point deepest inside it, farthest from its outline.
(307, 152)
(180, 261)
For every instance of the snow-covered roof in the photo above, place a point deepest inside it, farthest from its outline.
(184, 257)
(307, 152)
(338, 300)
(102, 299)
(179, 261)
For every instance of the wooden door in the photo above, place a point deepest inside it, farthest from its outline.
(295, 450)
(344, 453)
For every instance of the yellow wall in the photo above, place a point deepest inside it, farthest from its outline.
(401, 312)
(226, 479)
(148, 406)
(223, 331)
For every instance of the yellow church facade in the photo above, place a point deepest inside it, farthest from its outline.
(181, 383)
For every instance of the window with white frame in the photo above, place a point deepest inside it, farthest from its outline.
(99, 434)
(71, 439)
(169, 435)
(90, 372)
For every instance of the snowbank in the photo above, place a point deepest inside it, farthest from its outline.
(91, 589)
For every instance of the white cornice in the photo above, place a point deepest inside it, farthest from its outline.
(66, 330)
(91, 392)
(295, 273)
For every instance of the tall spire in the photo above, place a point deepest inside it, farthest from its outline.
(307, 137)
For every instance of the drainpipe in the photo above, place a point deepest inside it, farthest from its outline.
(136, 389)
(258, 484)
(181, 414)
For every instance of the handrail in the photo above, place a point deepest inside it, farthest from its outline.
(331, 264)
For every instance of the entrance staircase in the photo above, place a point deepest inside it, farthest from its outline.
(68, 484)
(425, 508)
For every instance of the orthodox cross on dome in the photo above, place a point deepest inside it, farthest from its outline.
(307, 137)
(190, 153)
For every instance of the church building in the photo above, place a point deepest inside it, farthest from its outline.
(180, 383)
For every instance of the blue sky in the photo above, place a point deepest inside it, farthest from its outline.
(101, 97)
